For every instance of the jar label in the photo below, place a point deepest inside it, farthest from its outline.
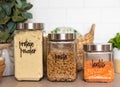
(26, 47)
(60, 56)
(98, 64)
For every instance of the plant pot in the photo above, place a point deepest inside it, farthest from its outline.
(116, 60)
(7, 53)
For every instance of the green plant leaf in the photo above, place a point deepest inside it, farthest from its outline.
(7, 8)
(27, 15)
(115, 41)
(2, 13)
(19, 2)
(18, 18)
(19, 9)
(12, 3)
(16, 12)
(27, 6)
(1, 27)
(0, 1)
(4, 36)
(12, 12)
(11, 26)
(5, 20)
(24, 0)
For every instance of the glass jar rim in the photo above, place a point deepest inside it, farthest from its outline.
(94, 47)
(61, 37)
(32, 26)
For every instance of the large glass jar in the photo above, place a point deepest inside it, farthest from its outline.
(98, 63)
(28, 51)
(61, 59)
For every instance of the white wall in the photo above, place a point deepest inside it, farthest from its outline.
(79, 14)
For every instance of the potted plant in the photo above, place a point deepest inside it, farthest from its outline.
(11, 13)
(116, 49)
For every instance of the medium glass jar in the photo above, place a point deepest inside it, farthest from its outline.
(61, 59)
(28, 51)
(98, 63)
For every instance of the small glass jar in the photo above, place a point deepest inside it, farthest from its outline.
(28, 51)
(61, 59)
(98, 63)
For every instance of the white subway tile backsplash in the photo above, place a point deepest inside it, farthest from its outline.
(102, 3)
(40, 15)
(111, 15)
(56, 16)
(79, 14)
(104, 32)
(50, 16)
(39, 3)
(66, 4)
(84, 15)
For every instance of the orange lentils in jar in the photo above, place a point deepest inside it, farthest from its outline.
(98, 63)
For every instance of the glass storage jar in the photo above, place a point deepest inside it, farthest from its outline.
(98, 63)
(61, 59)
(28, 51)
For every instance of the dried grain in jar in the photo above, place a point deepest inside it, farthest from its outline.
(61, 59)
